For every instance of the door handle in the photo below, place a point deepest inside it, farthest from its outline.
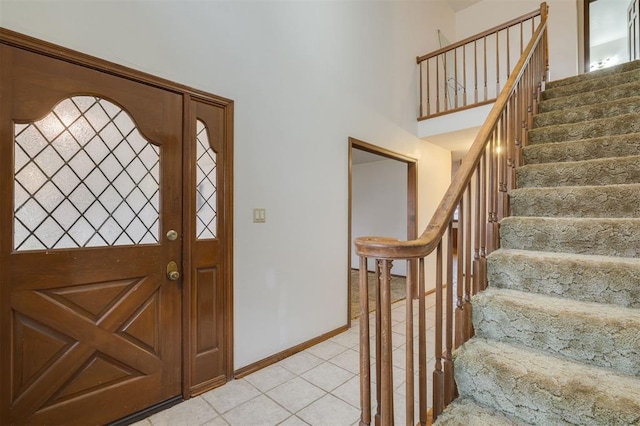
(172, 271)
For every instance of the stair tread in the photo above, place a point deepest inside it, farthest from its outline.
(620, 91)
(580, 113)
(465, 412)
(620, 200)
(605, 279)
(549, 255)
(584, 149)
(600, 236)
(627, 66)
(590, 84)
(621, 124)
(595, 311)
(602, 171)
(543, 389)
(584, 331)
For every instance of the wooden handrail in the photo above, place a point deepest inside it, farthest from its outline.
(448, 85)
(389, 248)
(480, 193)
(478, 36)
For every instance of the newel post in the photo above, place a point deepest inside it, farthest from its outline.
(544, 13)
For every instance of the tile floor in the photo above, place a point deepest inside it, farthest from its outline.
(318, 386)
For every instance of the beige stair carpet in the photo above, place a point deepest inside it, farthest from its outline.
(558, 330)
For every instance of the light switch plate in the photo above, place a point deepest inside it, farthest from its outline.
(259, 215)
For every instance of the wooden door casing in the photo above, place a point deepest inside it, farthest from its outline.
(633, 30)
(98, 330)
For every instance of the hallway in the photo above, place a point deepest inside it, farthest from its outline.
(318, 386)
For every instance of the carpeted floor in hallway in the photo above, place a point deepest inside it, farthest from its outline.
(398, 292)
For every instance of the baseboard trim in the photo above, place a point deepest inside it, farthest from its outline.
(207, 386)
(252, 368)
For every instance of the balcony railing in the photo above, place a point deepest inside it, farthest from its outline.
(472, 72)
(479, 191)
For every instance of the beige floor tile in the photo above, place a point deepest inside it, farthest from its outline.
(349, 360)
(301, 362)
(231, 395)
(327, 376)
(329, 411)
(192, 412)
(350, 338)
(350, 392)
(397, 340)
(399, 410)
(399, 358)
(218, 421)
(326, 350)
(296, 394)
(399, 314)
(294, 421)
(260, 411)
(143, 422)
(269, 377)
(331, 366)
(397, 373)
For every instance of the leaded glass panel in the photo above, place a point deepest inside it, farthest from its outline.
(206, 190)
(84, 177)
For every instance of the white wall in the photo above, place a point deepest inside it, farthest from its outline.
(563, 27)
(379, 205)
(305, 76)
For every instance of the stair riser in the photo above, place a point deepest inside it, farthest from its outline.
(601, 280)
(542, 391)
(593, 84)
(589, 98)
(605, 237)
(590, 201)
(619, 125)
(615, 171)
(585, 333)
(579, 113)
(589, 149)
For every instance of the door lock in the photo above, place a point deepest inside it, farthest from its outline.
(172, 235)
(172, 271)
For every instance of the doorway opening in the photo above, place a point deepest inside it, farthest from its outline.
(382, 202)
(611, 33)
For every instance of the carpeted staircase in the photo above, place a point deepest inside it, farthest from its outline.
(558, 330)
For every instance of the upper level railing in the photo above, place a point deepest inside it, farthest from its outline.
(472, 72)
(479, 191)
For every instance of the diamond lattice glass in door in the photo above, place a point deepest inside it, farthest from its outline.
(206, 190)
(84, 177)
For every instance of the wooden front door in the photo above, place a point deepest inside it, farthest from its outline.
(90, 188)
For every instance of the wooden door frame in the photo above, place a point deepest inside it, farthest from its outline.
(586, 34)
(21, 41)
(412, 200)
